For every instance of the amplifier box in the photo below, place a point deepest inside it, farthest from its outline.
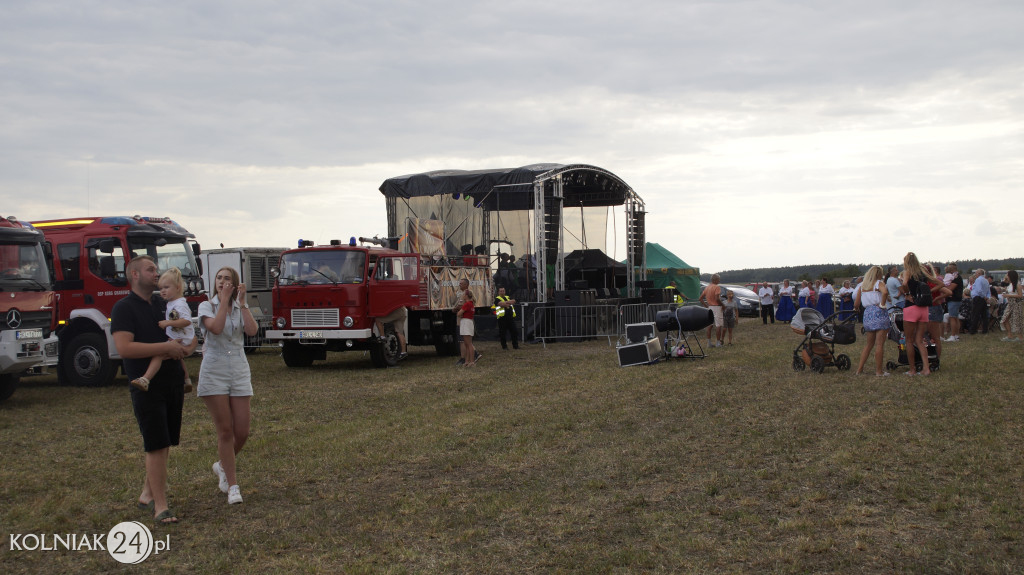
(639, 353)
(639, 332)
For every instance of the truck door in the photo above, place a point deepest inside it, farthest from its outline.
(395, 282)
(105, 281)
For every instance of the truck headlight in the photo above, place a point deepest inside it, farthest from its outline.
(349, 322)
(281, 323)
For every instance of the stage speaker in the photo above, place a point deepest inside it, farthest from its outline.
(639, 332)
(640, 353)
(686, 318)
(655, 295)
(579, 284)
(645, 284)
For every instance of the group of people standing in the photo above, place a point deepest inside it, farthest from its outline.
(927, 297)
(158, 398)
(819, 295)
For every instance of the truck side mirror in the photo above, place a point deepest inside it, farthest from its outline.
(196, 250)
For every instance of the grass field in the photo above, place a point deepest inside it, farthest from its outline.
(552, 460)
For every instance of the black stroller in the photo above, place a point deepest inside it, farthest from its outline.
(896, 335)
(821, 335)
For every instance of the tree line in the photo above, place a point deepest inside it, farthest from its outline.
(831, 271)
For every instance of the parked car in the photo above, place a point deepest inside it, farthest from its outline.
(747, 302)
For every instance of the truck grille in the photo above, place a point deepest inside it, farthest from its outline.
(31, 320)
(315, 318)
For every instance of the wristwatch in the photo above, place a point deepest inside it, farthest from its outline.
(245, 306)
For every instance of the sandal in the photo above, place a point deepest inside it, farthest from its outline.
(165, 517)
(146, 506)
(141, 383)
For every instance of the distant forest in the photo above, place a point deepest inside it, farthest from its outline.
(833, 271)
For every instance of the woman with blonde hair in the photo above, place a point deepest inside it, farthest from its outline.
(225, 383)
(872, 297)
(915, 314)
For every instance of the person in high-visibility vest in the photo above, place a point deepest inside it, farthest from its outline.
(505, 310)
(677, 297)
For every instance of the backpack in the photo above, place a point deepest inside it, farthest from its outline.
(923, 294)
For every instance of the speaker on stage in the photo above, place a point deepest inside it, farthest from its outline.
(686, 318)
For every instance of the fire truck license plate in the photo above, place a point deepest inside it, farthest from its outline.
(311, 335)
(29, 334)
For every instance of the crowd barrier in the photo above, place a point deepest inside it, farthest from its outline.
(259, 340)
(581, 322)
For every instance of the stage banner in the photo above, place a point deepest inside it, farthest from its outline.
(426, 236)
(444, 282)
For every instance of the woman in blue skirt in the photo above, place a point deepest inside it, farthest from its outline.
(825, 304)
(786, 309)
(845, 301)
(804, 299)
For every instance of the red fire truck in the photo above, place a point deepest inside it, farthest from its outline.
(326, 299)
(89, 257)
(26, 302)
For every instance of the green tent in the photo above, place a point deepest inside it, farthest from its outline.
(664, 266)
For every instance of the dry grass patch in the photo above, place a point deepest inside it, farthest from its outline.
(554, 460)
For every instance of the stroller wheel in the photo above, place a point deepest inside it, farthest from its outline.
(798, 364)
(933, 363)
(891, 365)
(843, 362)
(817, 364)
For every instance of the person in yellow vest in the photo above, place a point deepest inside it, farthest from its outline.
(677, 296)
(505, 310)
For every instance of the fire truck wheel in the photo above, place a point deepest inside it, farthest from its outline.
(296, 355)
(8, 381)
(385, 351)
(86, 362)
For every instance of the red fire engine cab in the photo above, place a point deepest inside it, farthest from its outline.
(326, 298)
(89, 257)
(26, 302)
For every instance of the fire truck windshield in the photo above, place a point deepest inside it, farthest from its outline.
(23, 267)
(170, 255)
(322, 267)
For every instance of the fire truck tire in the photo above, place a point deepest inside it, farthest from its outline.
(384, 352)
(296, 355)
(8, 381)
(86, 362)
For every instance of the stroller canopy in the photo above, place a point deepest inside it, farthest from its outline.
(806, 319)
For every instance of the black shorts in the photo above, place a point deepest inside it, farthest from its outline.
(158, 412)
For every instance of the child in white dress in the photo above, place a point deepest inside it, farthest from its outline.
(178, 325)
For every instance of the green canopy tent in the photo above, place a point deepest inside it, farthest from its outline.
(664, 266)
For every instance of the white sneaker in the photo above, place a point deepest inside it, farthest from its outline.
(221, 476)
(234, 495)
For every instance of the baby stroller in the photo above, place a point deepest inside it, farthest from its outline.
(821, 334)
(896, 335)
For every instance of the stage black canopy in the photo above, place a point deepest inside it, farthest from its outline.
(511, 189)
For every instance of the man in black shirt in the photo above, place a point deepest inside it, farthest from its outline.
(138, 337)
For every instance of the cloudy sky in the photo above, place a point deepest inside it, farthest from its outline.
(757, 132)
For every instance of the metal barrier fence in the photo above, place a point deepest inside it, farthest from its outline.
(259, 340)
(578, 322)
(575, 322)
